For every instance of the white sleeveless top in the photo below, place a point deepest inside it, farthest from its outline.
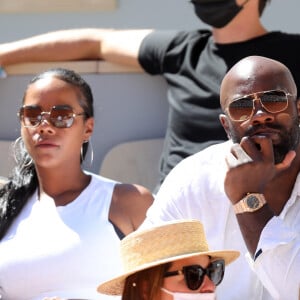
(63, 251)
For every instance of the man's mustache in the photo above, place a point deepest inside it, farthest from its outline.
(252, 129)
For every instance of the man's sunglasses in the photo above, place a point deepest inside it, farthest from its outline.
(274, 101)
(60, 116)
(194, 274)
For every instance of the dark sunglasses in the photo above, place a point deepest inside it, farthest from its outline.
(194, 274)
(274, 101)
(60, 116)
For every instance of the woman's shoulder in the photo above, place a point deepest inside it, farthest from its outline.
(128, 195)
(122, 191)
(129, 205)
(129, 202)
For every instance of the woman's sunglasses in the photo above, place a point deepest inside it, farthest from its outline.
(60, 116)
(194, 274)
(273, 101)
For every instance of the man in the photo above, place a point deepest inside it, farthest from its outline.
(260, 164)
(192, 62)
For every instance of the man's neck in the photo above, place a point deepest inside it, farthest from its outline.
(237, 34)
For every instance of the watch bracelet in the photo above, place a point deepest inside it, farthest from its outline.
(246, 204)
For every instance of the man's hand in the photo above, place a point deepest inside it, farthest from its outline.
(251, 167)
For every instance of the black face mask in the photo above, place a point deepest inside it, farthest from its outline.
(216, 13)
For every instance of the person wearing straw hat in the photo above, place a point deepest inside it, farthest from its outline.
(169, 261)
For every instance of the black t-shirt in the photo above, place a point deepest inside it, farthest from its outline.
(194, 66)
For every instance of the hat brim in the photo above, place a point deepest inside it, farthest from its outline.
(115, 286)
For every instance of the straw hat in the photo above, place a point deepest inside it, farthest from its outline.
(171, 241)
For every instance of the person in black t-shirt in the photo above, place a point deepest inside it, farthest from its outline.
(192, 62)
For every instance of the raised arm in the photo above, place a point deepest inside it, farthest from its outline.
(118, 46)
(250, 183)
(272, 242)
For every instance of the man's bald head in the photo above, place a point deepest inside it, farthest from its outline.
(255, 74)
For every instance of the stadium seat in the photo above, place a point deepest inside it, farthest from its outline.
(134, 162)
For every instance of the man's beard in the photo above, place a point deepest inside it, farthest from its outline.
(289, 138)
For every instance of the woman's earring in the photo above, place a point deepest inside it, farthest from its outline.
(92, 151)
(90, 145)
(22, 160)
(81, 151)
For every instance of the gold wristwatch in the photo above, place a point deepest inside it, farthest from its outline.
(251, 203)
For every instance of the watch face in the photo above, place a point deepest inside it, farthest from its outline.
(252, 202)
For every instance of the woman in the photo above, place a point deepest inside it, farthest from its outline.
(171, 261)
(58, 223)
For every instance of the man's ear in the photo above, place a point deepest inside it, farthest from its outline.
(225, 123)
